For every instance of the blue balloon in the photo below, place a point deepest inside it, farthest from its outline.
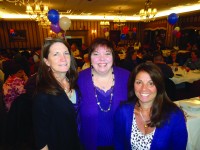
(123, 36)
(53, 16)
(172, 18)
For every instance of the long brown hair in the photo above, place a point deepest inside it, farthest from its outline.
(162, 105)
(45, 81)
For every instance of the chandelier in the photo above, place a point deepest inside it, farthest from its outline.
(17, 2)
(148, 14)
(38, 12)
(119, 20)
(104, 22)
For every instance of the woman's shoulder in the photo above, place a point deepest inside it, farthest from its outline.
(176, 116)
(177, 112)
(42, 96)
(121, 71)
(126, 105)
(84, 73)
(84, 77)
(125, 110)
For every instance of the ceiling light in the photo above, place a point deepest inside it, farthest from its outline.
(119, 20)
(104, 22)
(148, 14)
(38, 12)
(17, 2)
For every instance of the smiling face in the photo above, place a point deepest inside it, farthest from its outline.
(58, 59)
(102, 59)
(145, 89)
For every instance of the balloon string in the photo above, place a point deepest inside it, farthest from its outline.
(65, 36)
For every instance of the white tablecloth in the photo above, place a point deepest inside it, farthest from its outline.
(181, 76)
(192, 109)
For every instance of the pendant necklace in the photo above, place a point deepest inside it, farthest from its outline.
(145, 122)
(69, 93)
(111, 94)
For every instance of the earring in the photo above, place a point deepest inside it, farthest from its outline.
(49, 69)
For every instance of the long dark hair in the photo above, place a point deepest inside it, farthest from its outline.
(162, 105)
(46, 82)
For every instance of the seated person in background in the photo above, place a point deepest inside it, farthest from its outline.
(131, 60)
(75, 50)
(137, 45)
(14, 85)
(174, 59)
(147, 58)
(159, 61)
(193, 62)
(23, 62)
(77, 55)
(86, 62)
(84, 49)
(189, 46)
(149, 120)
(195, 47)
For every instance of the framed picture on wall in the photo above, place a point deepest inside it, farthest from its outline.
(17, 35)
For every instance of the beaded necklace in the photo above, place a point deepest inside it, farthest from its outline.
(111, 94)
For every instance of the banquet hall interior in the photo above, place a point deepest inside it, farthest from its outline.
(145, 26)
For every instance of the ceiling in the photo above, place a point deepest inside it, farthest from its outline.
(98, 7)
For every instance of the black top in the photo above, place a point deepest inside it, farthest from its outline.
(54, 120)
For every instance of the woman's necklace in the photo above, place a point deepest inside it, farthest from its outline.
(146, 122)
(68, 92)
(111, 94)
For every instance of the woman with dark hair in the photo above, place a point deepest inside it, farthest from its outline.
(102, 87)
(13, 86)
(131, 60)
(150, 120)
(193, 62)
(54, 115)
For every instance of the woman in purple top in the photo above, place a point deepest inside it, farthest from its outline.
(103, 86)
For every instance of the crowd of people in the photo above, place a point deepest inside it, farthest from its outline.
(90, 99)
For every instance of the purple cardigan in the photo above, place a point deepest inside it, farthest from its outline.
(89, 109)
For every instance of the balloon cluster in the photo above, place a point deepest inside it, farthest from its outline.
(126, 31)
(177, 32)
(57, 23)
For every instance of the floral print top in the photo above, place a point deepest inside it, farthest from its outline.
(13, 87)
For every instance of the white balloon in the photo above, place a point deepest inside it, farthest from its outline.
(64, 23)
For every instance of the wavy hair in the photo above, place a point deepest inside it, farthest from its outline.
(45, 81)
(162, 105)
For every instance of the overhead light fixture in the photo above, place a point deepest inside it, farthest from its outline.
(37, 9)
(38, 12)
(104, 22)
(119, 20)
(16, 2)
(148, 13)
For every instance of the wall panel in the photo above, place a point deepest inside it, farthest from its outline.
(36, 34)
